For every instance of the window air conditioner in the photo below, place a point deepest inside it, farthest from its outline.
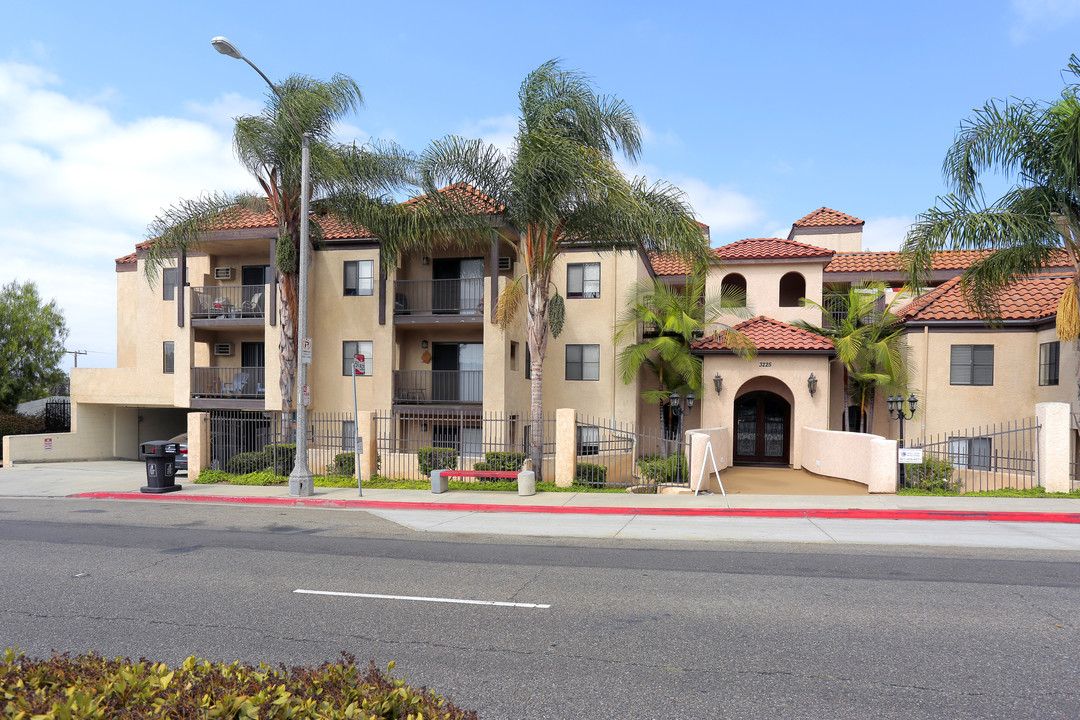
(223, 348)
(504, 262)
(223, 273)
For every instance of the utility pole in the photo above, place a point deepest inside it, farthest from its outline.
(76, 354)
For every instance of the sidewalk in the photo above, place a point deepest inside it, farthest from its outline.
(1044, 523)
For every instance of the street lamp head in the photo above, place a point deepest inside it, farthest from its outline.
(892, 402)
(223, 46)
(689, 401)
(911, 401)
(674, 398)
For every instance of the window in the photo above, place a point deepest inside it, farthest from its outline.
(167, 358)
(792, 289)
(582, 362)
(168, 284)
(972, 365)
(583, 280)
(1049, 362)
(973, 452)
(588, 440)
(733, 290)
(513, 354)
(348, 436)
(528, 362)
(359, 277)
(349, 348)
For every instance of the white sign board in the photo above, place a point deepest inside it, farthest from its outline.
(305, 351)
(911, 456)
(358, 365)
(306, 394)
(48, 443)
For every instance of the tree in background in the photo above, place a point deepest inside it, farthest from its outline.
(1034, 145)
(558, 188)
(32, 337)
(355, 182)
(674, 319)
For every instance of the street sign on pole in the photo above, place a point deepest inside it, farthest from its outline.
(358, 445)
(306, 396)
(358, 365)
(305, 351)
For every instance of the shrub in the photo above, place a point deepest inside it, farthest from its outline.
(246, 462)
(436, 458)
(286, 458)
(500, 462)
(589, 475)
(659, 469)
(87, 686)
(344, 464)
(933, 474)
(16, 424)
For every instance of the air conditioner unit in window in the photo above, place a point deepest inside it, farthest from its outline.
(223, 273)
(505, 263)
(223, 348)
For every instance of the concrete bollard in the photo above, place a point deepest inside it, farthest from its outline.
(526, 483)
(439, 482)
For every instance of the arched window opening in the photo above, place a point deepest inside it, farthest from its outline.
(792, 289)
(733, 290)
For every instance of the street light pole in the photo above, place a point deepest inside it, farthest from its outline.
(680, 412)
(300, 479)
(896, 411)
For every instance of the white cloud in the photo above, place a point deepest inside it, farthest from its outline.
(885, 233)
(499, 130)
(80, 188)
(667, 138)
(1032, 15)
(222, 111)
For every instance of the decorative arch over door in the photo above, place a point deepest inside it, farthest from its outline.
(762, 429)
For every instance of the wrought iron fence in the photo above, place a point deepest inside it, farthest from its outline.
(228, 301)
(614, 454)
(991, 457)
(58, 415)
(473, 436)
(242, 441)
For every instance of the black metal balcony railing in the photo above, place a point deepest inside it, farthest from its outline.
(242, 383)
(426, 387)
(228, 301)
(461, 296)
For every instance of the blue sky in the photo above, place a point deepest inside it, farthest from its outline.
(761, 112)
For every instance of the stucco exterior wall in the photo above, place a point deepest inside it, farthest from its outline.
(700, 458)
(860, 457)
(763, 288)
(840, 239)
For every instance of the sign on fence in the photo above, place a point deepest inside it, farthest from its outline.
(911, 456)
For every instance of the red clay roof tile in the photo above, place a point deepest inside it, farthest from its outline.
(1031, 298)
(769, 249)
(827, 217)
(769, 335)
(479, 202)
(891, 261)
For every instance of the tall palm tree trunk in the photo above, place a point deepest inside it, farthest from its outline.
(287, 301)
(538, 328)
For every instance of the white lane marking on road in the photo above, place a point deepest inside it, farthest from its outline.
(423, 599)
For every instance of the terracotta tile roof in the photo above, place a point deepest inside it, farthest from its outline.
(769, 249)
(667, 265)
(1031, 298)
(890, 261)
(769, 335)
(470, 196)
(827, 217)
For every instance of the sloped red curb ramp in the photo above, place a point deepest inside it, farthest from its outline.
(850, 514)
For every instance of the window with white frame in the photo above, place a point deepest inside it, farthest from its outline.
(583, 280)
(359, 277)
(582, 362)
(351, 348)
(971, 365)
(1049, 362)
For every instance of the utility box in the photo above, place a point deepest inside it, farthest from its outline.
(160, 457)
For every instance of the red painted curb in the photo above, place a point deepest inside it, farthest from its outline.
(851, 514)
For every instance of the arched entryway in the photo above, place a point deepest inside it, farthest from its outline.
(762, 429)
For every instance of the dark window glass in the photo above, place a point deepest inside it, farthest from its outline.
(971, 365)
(582, 362)
(167, 360)
(583, 280)
(168, 284)
(359, 277)
(1049, 362)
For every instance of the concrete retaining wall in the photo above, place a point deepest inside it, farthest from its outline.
(862, 458)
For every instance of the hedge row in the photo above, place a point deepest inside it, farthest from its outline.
(280, 462)
(89, 686)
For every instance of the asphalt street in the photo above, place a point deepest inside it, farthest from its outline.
(625, 628)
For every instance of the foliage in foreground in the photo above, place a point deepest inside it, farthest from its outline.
(212, 477)
(90, 686)
(32, 334)
(1034, 492)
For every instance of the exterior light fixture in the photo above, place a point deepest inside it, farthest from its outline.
(423, 344)
(811, 384)
(425, 260)
(718, 383)
(689, 401)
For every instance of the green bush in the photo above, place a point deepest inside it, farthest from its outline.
(16, 424)
(933, 474)
(246, 462)
(589, 475)
(436, 458)
(500, 462)
(286, 458)
(344, 464)
(659, 469)
(90, 686)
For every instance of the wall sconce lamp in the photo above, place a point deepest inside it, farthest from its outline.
(423, 344)
(718, 383)
(425, 260)
(811, 384)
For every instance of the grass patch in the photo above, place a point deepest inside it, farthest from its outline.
(1035, 492)
(90, 686)
(212, 477)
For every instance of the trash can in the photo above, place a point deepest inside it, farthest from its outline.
(160, 457)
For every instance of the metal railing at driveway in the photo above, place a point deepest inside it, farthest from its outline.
(616, 454)
(211, 302)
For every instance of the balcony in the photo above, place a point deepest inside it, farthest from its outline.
(228, 387)
(439, 387)
(228, 305)
(458, 300)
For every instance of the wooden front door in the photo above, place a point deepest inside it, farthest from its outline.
(762, 429)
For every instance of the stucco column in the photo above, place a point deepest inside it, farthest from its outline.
(367, 430)
(198, 432)
(565, 446)
(1055, 447)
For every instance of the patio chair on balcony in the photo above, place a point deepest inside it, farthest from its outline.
(236, 386)
(401, 304)
(252, 306)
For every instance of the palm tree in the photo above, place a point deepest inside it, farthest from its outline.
(869, 343)
(559, 188)
(679, 316)
(1036, 146)
(353, 181)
